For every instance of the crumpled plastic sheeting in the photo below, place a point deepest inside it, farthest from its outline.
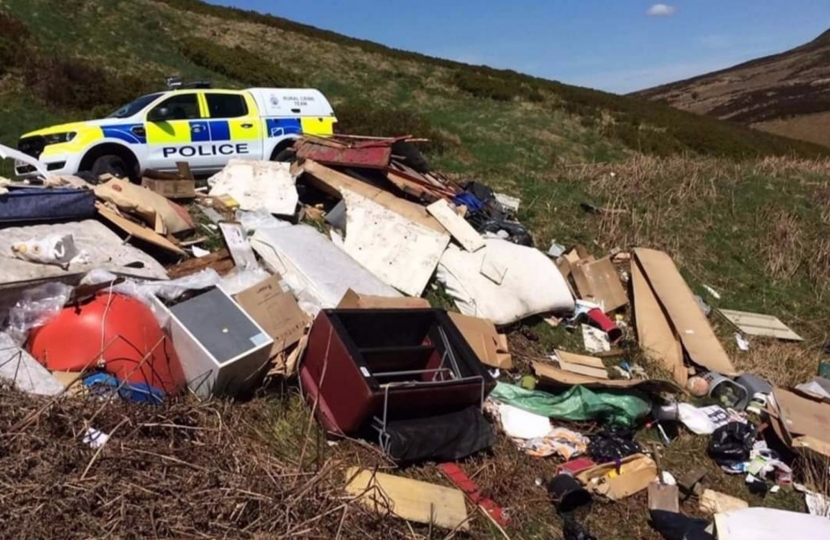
(36, 307)
(578, 404)
(145, 290)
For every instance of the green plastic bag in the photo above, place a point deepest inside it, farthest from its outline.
(578, 404)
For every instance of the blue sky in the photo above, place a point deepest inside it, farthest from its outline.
(614, 45)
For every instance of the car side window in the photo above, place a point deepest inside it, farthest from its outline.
(180, 107)
(226, 105)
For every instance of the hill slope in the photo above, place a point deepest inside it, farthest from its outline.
(64, 58)
(786, 93)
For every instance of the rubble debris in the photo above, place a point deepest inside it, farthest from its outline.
(404, 251)
(755, 324)
(317, 271)
(408, 499)
(138, 230)
(257, 184)
(220, 261)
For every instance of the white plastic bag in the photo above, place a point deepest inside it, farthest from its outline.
(36, 307)
(54, 249)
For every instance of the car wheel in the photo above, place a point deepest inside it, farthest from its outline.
(110, 164)
(288, 155)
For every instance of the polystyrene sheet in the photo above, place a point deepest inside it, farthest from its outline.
(503, 282)
(313, 267)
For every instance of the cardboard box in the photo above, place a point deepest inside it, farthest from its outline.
(486, 342)
(353, 300)
(276, 311)
(172, 189)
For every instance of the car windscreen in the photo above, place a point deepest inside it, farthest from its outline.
(134, 107)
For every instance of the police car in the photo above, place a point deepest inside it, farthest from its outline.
(203, 126)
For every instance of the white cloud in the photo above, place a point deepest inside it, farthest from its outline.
(661, 10)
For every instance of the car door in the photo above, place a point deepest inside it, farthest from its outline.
(178, 131)
(234, 125)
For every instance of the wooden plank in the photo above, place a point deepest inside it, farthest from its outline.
(756, 324)
(456, 225)
(137, 230)
(184, 170)
(333, 182)
(598, 282)
(408, 499)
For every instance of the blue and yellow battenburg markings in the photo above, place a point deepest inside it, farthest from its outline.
(124, 132)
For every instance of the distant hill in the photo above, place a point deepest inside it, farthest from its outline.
(72, 59)
(787, 93)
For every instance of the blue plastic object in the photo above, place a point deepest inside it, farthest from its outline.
(137, 393)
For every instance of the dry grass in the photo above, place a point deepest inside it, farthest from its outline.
(782, 363)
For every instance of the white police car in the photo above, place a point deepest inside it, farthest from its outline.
(203, 126)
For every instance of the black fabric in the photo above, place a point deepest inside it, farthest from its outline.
(572, 530)
(732, 443)
(37, 204)
(612, 445)
(447, 437)
(673, 526)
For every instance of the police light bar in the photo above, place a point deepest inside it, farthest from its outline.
(173, 82)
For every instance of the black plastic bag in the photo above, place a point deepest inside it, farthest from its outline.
(612, 445)
(732, 443)
(446, 437)
(673, 526)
